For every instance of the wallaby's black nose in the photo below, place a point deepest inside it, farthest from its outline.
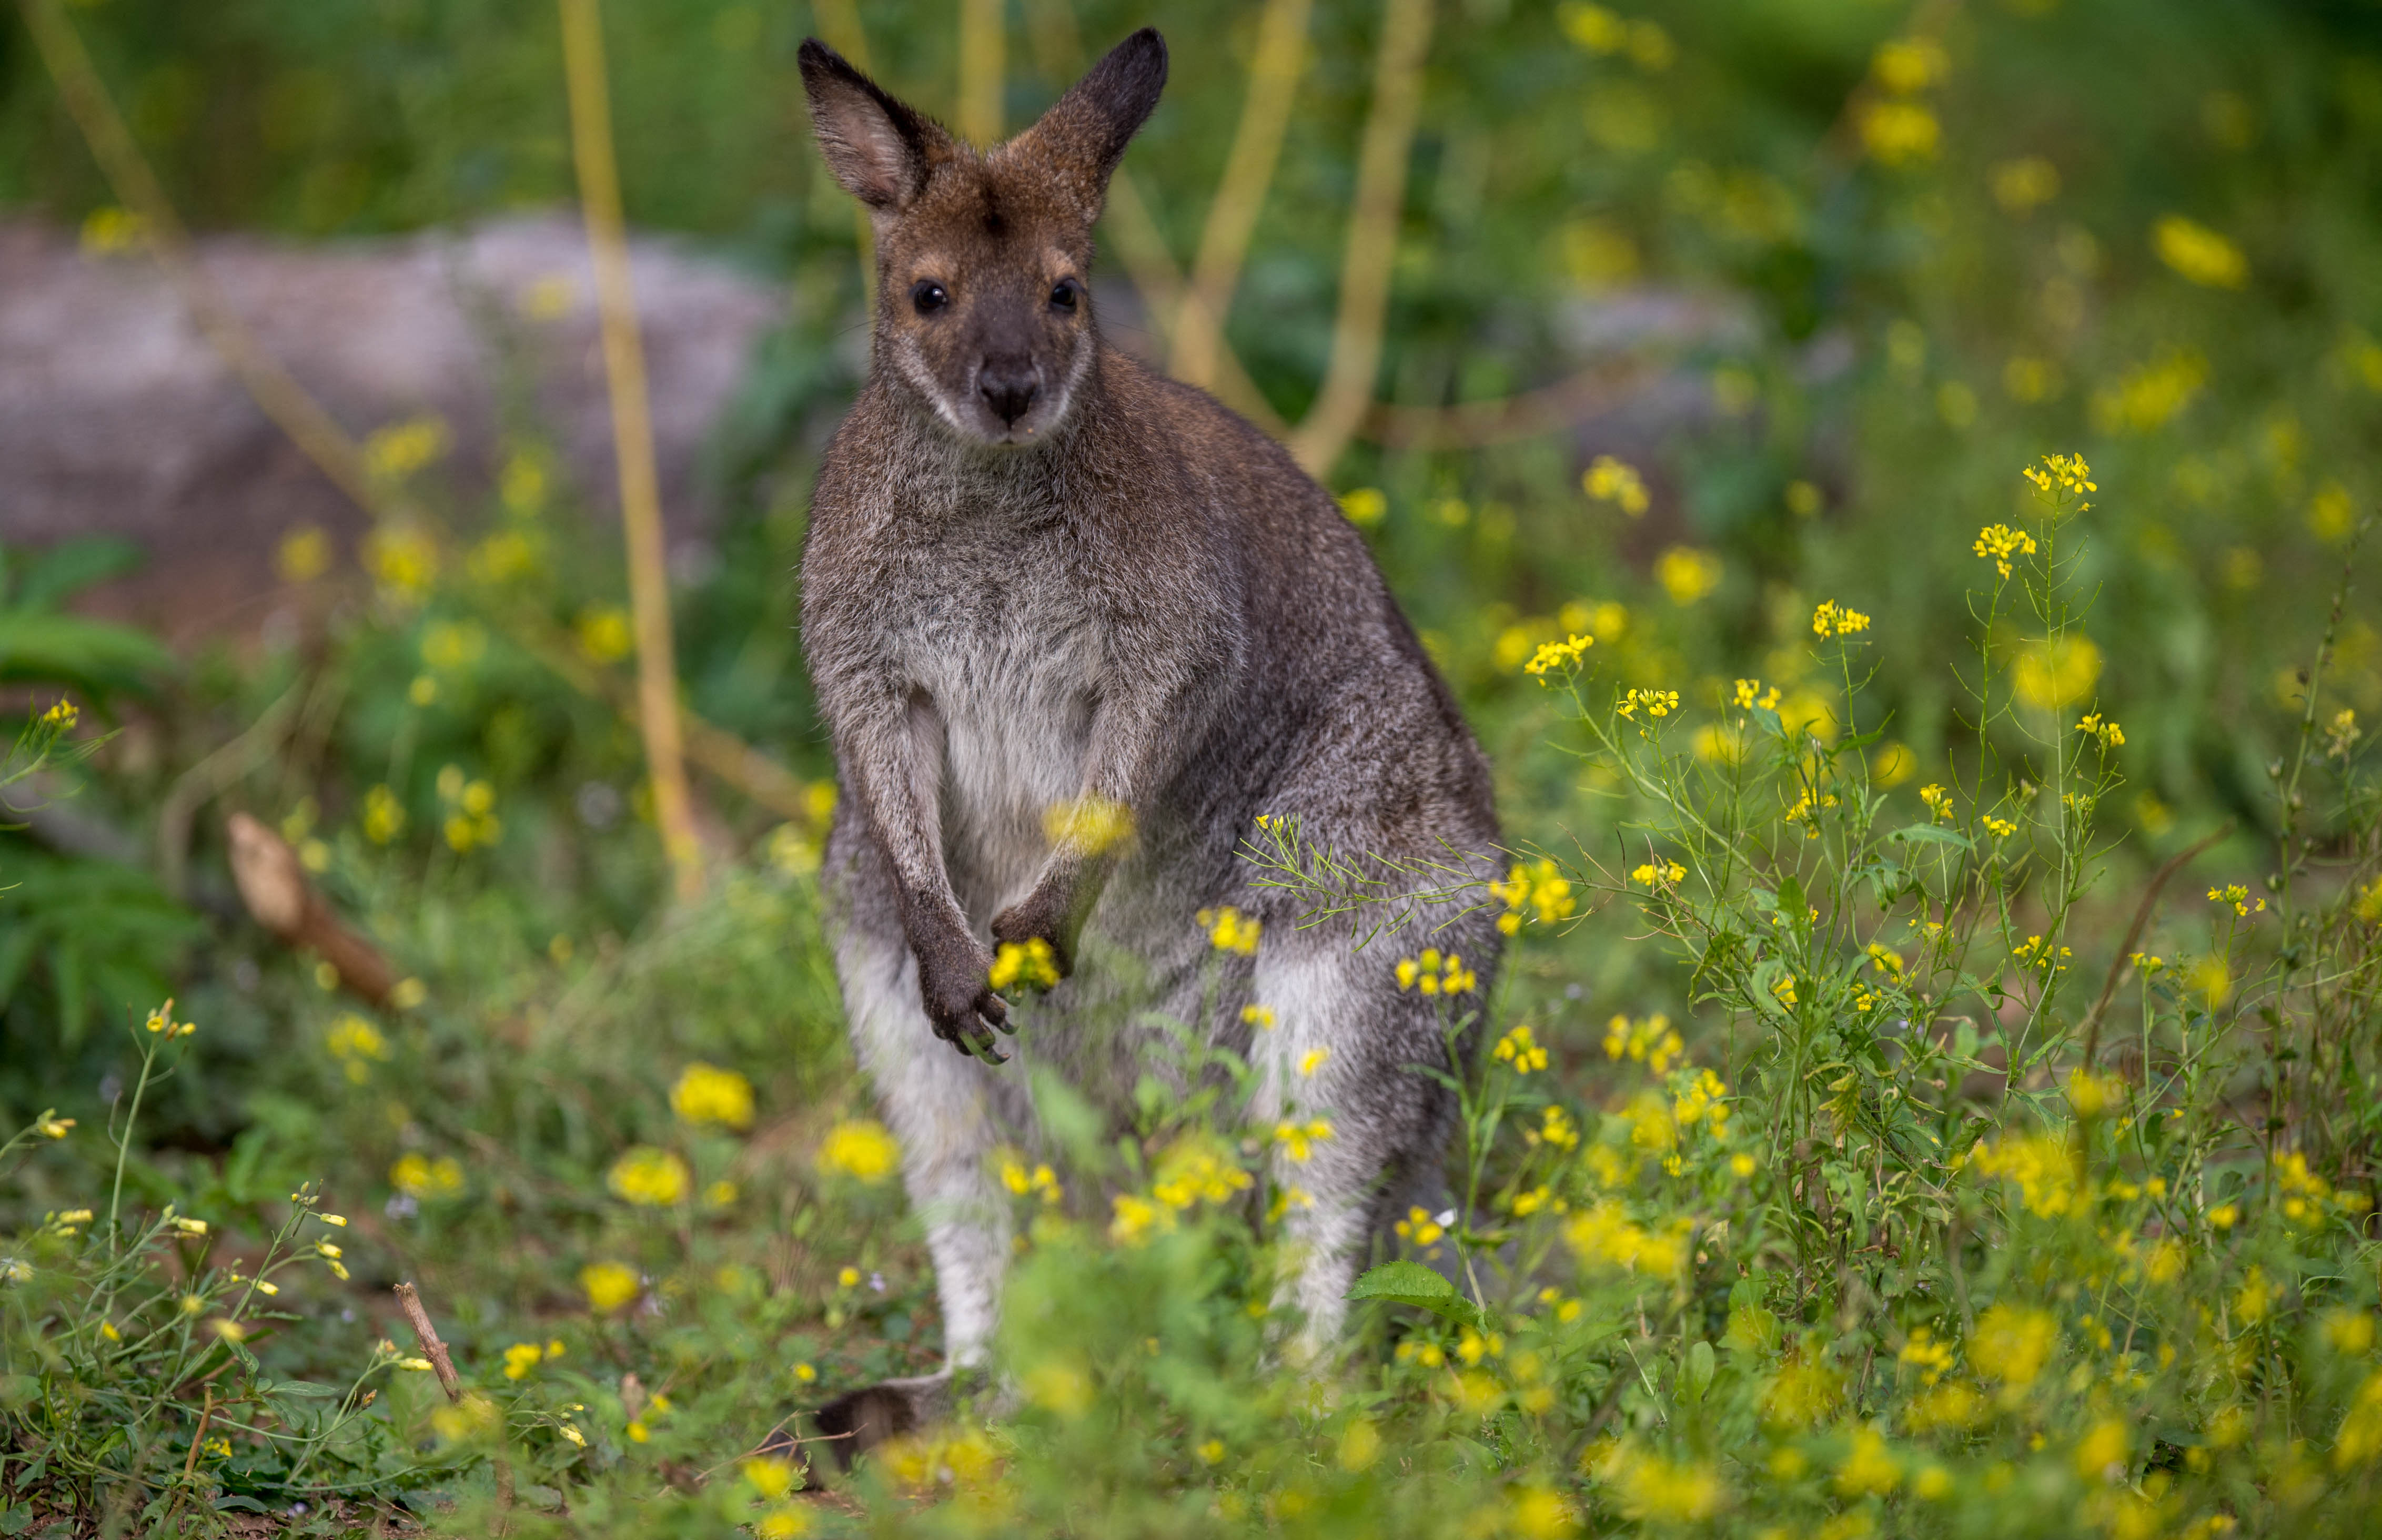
(1008, 387)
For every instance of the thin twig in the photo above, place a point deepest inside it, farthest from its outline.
(1348, 393)
(424, 1333)
(206, 1415)
(2173, 864)
(633, 439)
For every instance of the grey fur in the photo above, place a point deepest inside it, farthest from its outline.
(1124, 592)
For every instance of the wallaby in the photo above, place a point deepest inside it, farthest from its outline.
(1039, 576)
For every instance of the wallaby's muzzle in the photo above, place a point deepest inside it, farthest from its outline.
(1009, 386)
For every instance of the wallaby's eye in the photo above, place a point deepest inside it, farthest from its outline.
(1062, 294)
(929, 295)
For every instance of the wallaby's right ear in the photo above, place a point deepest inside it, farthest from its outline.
(879, 150)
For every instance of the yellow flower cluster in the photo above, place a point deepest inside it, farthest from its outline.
(1604, 1236)
(1030, 963)
(1538, 887)
(1610, 480)
(1750, 695)
(356, 1043)
(470, 810)
(1562, 654)
(1938, 801)
(1687, 574)
(2043, 1167)
(604, 633)
(418, 1176)
(1652, 1041)
(61, 716)
(1668, 873)
(2061, 477)
(522, 1357)
(2035, 954)
(1365, 505)
(2199, 253)
(1999, 542)
(2107, 732)
(608, 1286)
(1092, 825)
(1432, 974)
(708, 1095)
(1299, 1140)
(1555, 1129)
(404, 560)
(1039, 1181)
(2236, 898)
(397, 451)
(1702, 1101)
(384, 815)
(650, 1178)
(1422, 1228)
(1651, 1489)
(861, 1148)
(161, 1021)
(1834, 619)
(1521, 1048)
(1656, 702)
(1195, 1170)
(1229, 930)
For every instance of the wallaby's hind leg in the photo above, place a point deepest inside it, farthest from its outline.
(1389, 1120)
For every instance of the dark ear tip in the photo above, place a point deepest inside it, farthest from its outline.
(1151, 46)
(817, 59)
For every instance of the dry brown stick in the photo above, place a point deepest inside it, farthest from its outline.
(272, 883)
(206, 1415)
(633, 439)
(984, 67)
(1348, 394)
(410, 1302)
(2173, 864)
(1232, 220)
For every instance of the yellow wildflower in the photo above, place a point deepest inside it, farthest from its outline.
(1093, 824)
(2199, 253)
(705, 1095)
(1609, 481)
(649, 1176)
(1031, 963)
(1834, 619)
(860, 1147)
(607, 1285)
(1521, 1049)
(1999, 542)
(1230, 931)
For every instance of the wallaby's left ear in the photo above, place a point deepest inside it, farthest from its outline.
(1083, 136)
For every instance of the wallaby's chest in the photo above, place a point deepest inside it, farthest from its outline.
(1001, 640)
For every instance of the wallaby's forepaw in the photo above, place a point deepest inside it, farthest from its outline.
(955, 986)
(1037, 916)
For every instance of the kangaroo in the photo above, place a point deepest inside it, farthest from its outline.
(1039, 576)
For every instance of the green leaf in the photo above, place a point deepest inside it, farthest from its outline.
(1931, 834)
(1412, 1283)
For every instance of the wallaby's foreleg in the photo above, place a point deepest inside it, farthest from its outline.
(940, 1107)
(891, 750)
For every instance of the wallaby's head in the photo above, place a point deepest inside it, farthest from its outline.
(984, 305)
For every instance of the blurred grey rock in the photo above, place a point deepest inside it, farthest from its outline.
(116, 418)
